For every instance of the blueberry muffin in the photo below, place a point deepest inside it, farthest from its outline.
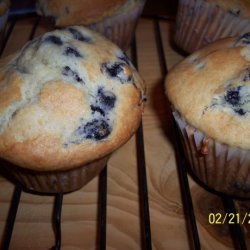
(68, 99)
(115, 19)
(200, 22)
(210, 95)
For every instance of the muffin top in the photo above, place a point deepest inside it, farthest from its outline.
(211, 90)
(239, 8)
(80, 12)
(67, 98)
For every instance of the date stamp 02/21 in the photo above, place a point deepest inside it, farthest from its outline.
(228, 218)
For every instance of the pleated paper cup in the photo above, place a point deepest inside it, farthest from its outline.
(199, 23)
(56, 181)
(221, 167)
(120, 28)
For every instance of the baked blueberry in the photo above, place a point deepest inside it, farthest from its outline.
(116, 70)
(97, 109)
(122, 56)
(53, 39)
(233, 96)
(69, 51)
(106, 99)
(240, 111)
(243, 40)
(95, 130)
(79, 36)
(67, 71)
(113, 70)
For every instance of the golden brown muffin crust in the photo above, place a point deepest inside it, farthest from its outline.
(211, 90)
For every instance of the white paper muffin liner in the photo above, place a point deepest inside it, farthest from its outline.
(199, 23)
(221, 167)
(57, 181)
(120, 28)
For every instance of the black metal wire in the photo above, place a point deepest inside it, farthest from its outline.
(11, 217)
(142, 176)
(7, 35)
(181, 164)
(236, 231)
(34, 28)
(22, 12)
(159, 17)
(142, 180)
(18, 189)
(186, 193)
(102, 209)
(57, 220)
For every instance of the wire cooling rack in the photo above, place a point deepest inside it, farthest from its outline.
(102, 199)
(146, 242)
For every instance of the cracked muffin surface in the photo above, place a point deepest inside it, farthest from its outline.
(67, 98)
(211, 90)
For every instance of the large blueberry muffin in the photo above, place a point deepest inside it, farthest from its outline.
(200, 22)
(115, 19)
(210, 95)
(67, 99)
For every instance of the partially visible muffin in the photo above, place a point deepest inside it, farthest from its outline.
(85, 12)
(68, 99)
(200, 22)
(210, 96)
(114, 19)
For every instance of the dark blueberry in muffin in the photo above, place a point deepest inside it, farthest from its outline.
(244, 39)
(246, 75)
(79, 36)
(113, 70)
(106, 99)
(69, 51)
(53, 39)
(122, 56)
(232, 96)
(116, 70)
(67, 71)
(240, 111)
(97, 109)
(96, 129)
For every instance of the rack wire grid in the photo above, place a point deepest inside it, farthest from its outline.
(146, 242)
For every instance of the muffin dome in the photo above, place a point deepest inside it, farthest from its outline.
(211, 90)
(67, 98)
(72, 12)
